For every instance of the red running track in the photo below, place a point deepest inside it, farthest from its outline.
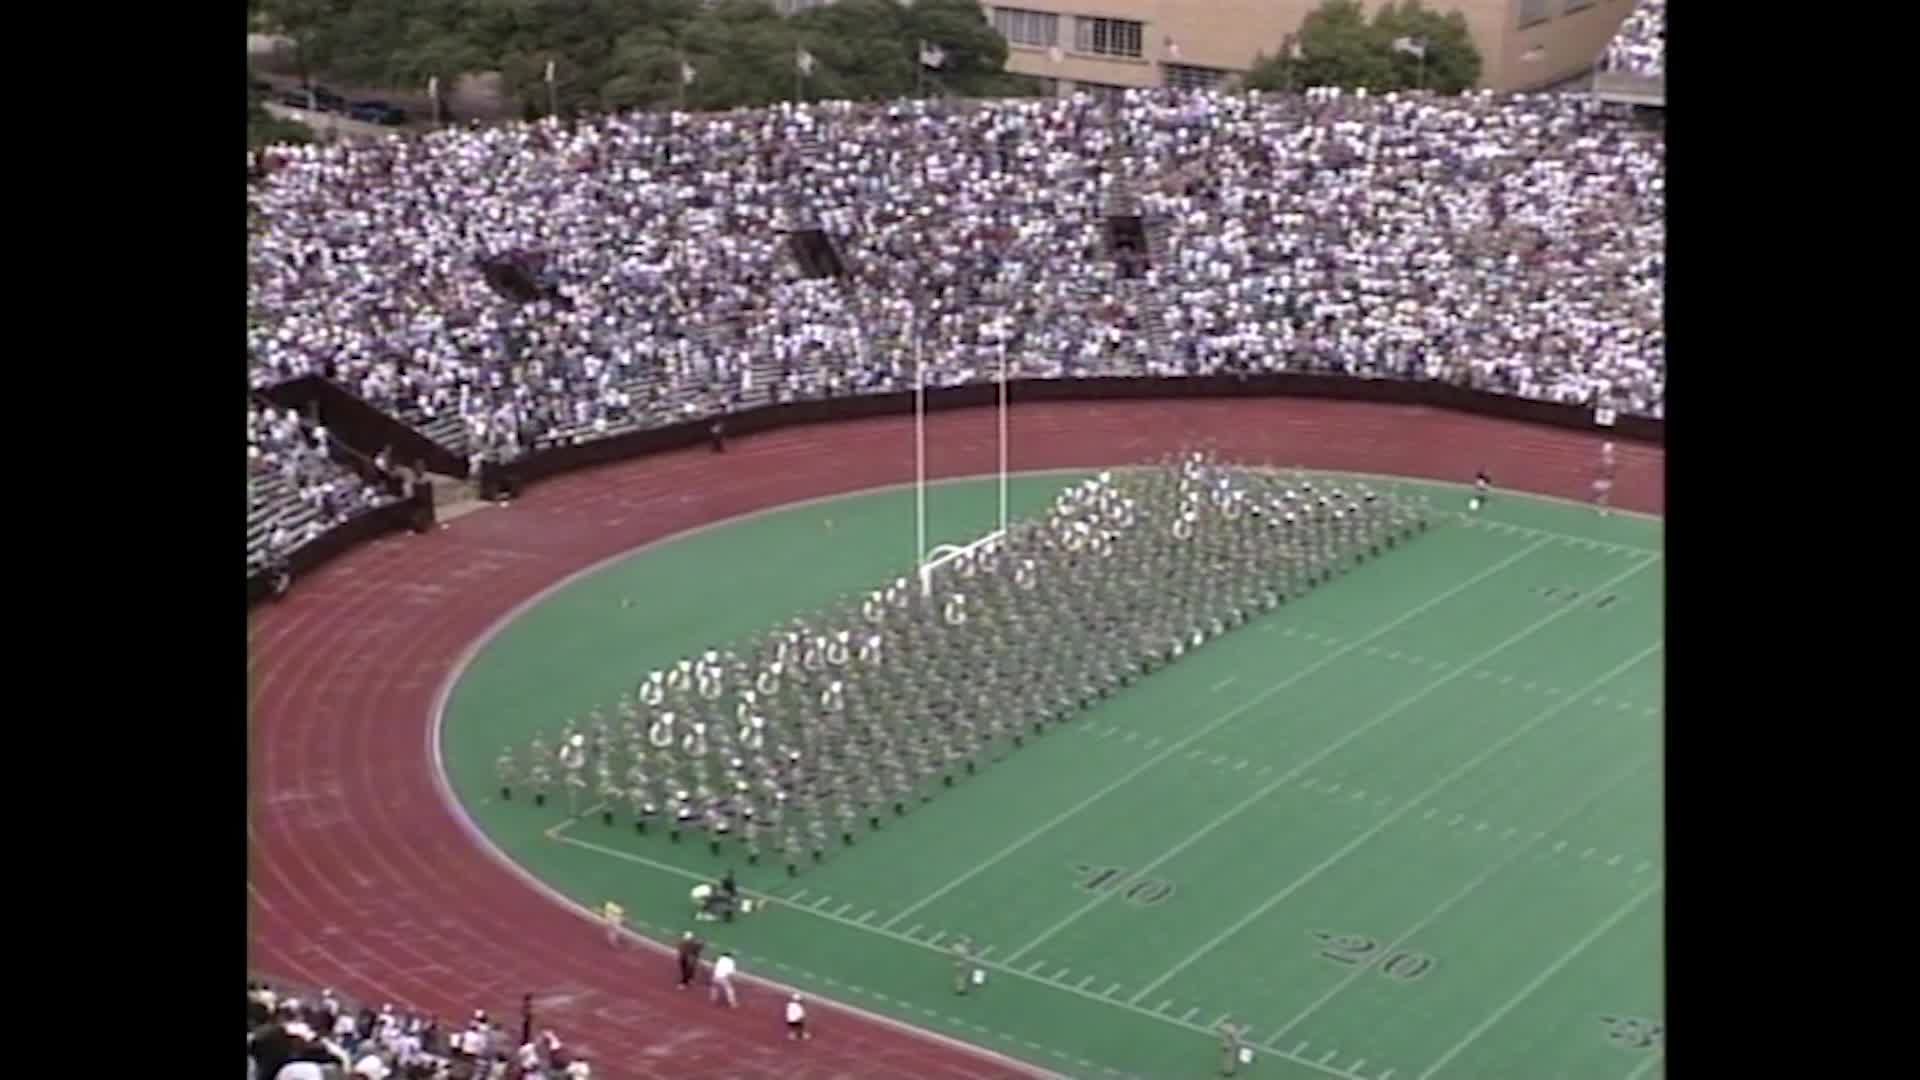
(363, 878)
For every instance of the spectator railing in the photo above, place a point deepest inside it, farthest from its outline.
(498, 478)
(1630, 89)
(361, 426)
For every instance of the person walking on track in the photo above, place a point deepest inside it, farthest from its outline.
(615, 916)
(723, 969)
(796, 1019)
(687, 952)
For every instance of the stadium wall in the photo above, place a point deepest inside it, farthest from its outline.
(499, 479)
(414, 513)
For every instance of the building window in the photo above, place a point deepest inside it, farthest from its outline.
(1533, 12)
(1041, 28)
(1578, 5)
(1188, 77)
(1106, 37)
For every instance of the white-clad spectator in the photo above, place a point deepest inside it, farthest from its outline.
(1510, 243)
(1639, 47)
(296, 492)
(723, 970)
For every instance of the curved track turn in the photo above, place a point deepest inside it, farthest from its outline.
(361, 878)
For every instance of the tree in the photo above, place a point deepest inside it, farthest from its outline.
(976, 54)
(1452, 63)
(624, 54)
(1337, 46)
(266, 129)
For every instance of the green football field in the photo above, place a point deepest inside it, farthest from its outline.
(1407, 826)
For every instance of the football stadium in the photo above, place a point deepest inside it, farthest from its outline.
(960, 581)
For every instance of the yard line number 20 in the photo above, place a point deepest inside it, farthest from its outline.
(1358, 950)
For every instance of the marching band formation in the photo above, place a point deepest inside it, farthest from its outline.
(823, 726)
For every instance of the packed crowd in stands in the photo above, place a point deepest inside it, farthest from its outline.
(295, 490)
(323, 1037)
(1513, 243)
(1640, 46)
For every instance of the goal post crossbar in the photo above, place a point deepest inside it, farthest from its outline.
(946, 553)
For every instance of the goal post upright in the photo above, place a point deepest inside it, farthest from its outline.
(1003, 431)
(919, 450)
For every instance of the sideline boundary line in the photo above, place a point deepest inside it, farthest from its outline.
(894, 935)
(457, 810)
(443, 784)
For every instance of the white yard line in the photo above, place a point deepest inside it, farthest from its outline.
(1001, 967)
(1181, 744)
(1475, 522)
(1404, 809)
(1309, 762)
(1467, 890)
(1553, 969)
(1652, 1060)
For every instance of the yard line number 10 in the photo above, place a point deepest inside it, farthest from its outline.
(1144, 892)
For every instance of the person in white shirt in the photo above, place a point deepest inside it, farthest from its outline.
(723, 969)
(796, 1019)
(614, 916)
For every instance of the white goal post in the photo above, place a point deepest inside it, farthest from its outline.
(946, 553)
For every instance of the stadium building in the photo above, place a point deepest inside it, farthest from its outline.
(1106, 45)
(1524, 44)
